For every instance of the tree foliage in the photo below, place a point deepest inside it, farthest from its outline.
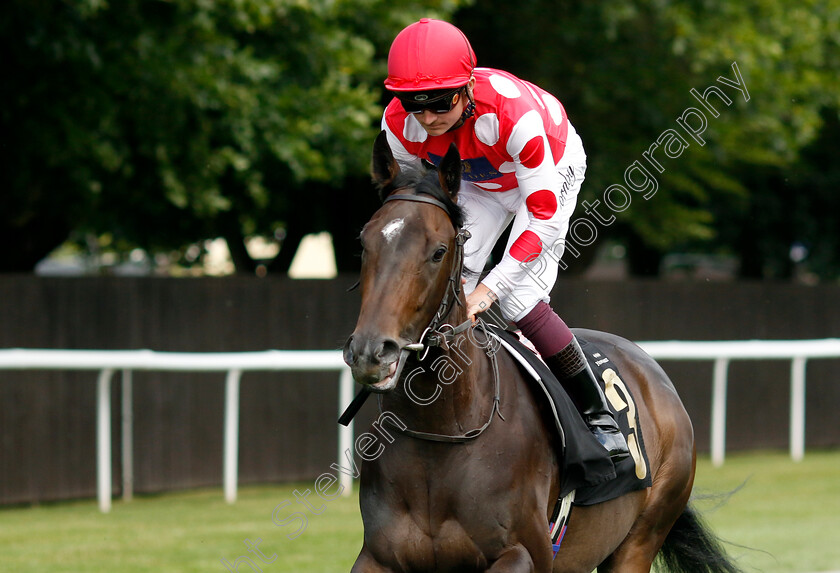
(168, 122)
(625, 68)
(163, 123)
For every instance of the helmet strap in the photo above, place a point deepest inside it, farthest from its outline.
(469, 111)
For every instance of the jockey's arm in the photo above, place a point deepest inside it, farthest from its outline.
(402, 156)
(540, 185)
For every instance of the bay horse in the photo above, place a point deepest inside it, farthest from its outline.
(466, 478)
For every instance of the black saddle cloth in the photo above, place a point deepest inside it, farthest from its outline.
(587, 468)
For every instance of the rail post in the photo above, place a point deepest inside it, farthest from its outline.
(719, 384)
(797, 408)
(231, 445)
(103, 440)
(345, 434)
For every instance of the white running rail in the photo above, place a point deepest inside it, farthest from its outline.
(234, 364)
(797, 351)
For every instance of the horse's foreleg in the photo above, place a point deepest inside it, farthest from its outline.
(365, 563)
(516, 559)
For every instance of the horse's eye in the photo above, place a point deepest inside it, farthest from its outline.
(439, 254)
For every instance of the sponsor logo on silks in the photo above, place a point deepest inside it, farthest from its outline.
(476, 169)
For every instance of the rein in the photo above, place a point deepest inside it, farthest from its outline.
(471, 434)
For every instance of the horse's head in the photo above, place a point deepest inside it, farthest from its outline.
(411, 264)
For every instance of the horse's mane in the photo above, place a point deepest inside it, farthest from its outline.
(424, 180)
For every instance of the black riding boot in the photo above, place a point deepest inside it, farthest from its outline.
(570, 367)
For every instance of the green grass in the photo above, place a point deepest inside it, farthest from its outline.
(789, 510)
(789, 513)
(178, 532)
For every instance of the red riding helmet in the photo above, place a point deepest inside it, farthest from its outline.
(429, 55)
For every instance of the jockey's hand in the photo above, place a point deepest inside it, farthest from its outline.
(479, 300)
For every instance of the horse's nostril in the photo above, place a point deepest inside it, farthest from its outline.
(350, 355)
(387, 351)
(366, 351)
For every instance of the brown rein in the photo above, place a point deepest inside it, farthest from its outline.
(471, 434)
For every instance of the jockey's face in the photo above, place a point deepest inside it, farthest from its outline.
(439, 123)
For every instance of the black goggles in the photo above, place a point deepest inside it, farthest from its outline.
(434, 101)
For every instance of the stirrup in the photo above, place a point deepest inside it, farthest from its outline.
(609, 436)
(613, 442)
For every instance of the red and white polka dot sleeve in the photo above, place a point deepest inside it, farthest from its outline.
(540, 185)
(393, 123)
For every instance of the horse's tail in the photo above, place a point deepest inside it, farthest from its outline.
(691, 547)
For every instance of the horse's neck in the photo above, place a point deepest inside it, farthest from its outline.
(450, 392)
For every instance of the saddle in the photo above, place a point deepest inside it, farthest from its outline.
(587, 468)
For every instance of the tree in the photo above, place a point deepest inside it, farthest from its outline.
(787, 225)
(625, 69)
(165, 123)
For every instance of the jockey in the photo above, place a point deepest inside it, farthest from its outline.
(522, 162)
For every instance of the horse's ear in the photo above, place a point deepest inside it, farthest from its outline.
(384, 168)
(449, 171)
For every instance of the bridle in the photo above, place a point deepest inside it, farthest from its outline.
(434, 335)
(440, 334)
(437, 333)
